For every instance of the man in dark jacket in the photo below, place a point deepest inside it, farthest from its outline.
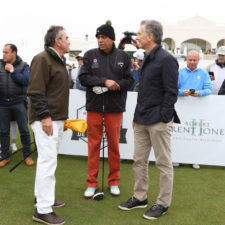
(14, 76)
(49, 97)
(106, 72)
(153, 118)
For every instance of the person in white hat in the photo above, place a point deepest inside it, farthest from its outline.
(136, 61)
(75, 79)
(217, 70)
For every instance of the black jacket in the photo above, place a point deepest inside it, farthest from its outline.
(158, 89)
(98, 67)
(13, 86)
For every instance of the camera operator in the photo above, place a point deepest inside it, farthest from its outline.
(128, 40)
(193, 81)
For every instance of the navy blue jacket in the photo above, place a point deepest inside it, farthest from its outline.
(13, 86)
(158, 89)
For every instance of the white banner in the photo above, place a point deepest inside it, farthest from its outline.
(199, 138)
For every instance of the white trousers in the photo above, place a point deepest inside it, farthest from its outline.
(48, 148)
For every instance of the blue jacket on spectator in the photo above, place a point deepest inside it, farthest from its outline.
(198, 79)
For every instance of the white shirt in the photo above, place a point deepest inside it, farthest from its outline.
(219, 74)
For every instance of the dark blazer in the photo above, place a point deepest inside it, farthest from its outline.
(158, 88)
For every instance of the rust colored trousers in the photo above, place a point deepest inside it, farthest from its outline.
(112, 123)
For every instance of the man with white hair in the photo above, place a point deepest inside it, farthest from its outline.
(217, 70)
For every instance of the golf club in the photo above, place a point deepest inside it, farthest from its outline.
(14, 167)
(99, 196)
(35, 149)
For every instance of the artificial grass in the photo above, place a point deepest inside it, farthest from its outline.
(198, 196)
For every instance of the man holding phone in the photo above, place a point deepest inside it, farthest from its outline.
(193, 81)
(217, 70)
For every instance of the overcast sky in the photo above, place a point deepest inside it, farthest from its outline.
(25, 22)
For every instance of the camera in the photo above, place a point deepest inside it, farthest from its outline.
(127, 39)
(192, 91)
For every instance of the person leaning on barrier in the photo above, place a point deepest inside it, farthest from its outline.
(14, 76)
(216, 70)
(48, 91)
(193, 81)
(106, 74)
(153, 119)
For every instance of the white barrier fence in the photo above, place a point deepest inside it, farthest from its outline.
(199, 138)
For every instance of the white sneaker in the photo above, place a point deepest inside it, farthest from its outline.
(195, 166)
(114, 190)
(14, 148)
(176, 164)
(90, 191)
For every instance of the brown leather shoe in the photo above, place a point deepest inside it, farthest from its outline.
(57, 204)
(4, 162)
(29, 162)
(49, 218)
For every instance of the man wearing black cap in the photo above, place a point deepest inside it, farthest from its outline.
(106, 74)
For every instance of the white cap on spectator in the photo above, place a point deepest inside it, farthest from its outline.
(139, 54)
(80, 55)
(221, 50)
(68, 62)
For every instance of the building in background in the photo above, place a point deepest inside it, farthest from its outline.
(195, 33)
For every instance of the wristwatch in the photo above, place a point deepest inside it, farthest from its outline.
(11, 71)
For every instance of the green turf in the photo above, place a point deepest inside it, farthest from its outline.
(198, 196)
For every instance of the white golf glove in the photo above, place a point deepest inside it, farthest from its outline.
(99, 90)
